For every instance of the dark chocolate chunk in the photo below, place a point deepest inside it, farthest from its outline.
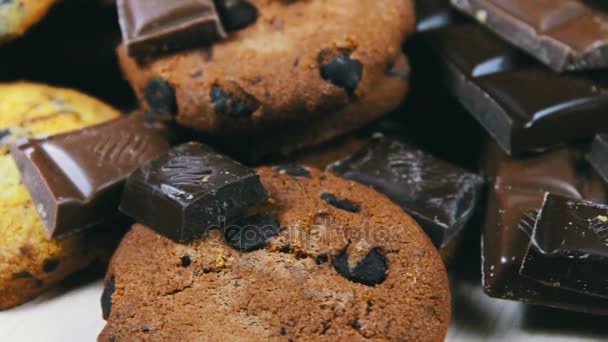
(515, 195)
(341, 70)
(236, 14)
(441, 197)
(23, 275)
(564, 34)
(106, 298)
(251, 233)
(76, 178)
(340, 203)
(508, 92)
(50, 265)
(155, 26)
(371, 270)
(569, 246)
(598, 157)
(294, 170)
(160, 96)
(186, 191)
(186, 261)
(235, 102)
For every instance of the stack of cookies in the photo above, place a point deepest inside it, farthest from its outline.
(275, 169)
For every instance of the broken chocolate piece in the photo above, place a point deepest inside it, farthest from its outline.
(236, 14)
(371, 270)
(76, 178)
(440, 196)
(515, 196)
(340, 203)
(186, 191)
(569, 246)
(251, 233)
(155, 26)
(508, 92)
(564, 34)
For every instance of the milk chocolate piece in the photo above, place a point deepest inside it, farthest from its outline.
(598, 157)
(515, 197)
(440, 196)
(563, 34)
(521, 103)
(190, 189)
(76, 178)
(569, 246)
(155, 26)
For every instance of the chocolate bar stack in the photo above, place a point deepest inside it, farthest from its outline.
(533, 74)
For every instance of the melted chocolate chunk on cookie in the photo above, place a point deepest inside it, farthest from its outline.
(234, 102)
(340, 69)
(251, 233)
(106, 298)
(50, 265)
(294, 170)
(370, 271)
(160, 96)
(236, 14)
(340, 203)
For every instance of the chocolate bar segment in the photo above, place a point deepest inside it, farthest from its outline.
(189, 190)
(440, 196)
(515, 197)
(598, 157)
(522, 104)
(76, 178)
(563, 34)
(569, 246)
(155, 26)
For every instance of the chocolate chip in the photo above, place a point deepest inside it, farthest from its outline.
(236, 14)
(233, 102)
(50, 265)
(23, 275)
(186, 261)
(251, 232)
(370, 271)
(321, 259)
(283, 331)
(145, 330)
(341, 70)
(340, 203)
(4, 133)
(106, 298)
(293, 170)
(160, 96)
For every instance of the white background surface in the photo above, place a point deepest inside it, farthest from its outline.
(72, 313)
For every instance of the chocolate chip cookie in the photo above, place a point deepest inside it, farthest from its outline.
(30, 262)
(330, 66)
(324, 258)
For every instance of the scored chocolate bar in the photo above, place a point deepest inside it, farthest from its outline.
(521, 103)
(440, 196)
(76, 178)
(153, 26)
(515, 197)
(190, 189)
(569, 246)
(563, 34)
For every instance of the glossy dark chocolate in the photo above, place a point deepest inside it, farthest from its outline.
(522, 104)
(563, 34)
(190, 189)
(76, 178)
(440, 196)
(515, 197)
(569, 246)
(155, 26)
(598, 157)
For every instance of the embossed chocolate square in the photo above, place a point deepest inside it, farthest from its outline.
(76, 178)
(569, 246)
(155, 26)
(190, 189)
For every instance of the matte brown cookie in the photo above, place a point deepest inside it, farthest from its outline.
(312, 63)
(325, 259)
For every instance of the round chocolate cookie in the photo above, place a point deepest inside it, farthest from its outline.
(325, 258)
(294, 63)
